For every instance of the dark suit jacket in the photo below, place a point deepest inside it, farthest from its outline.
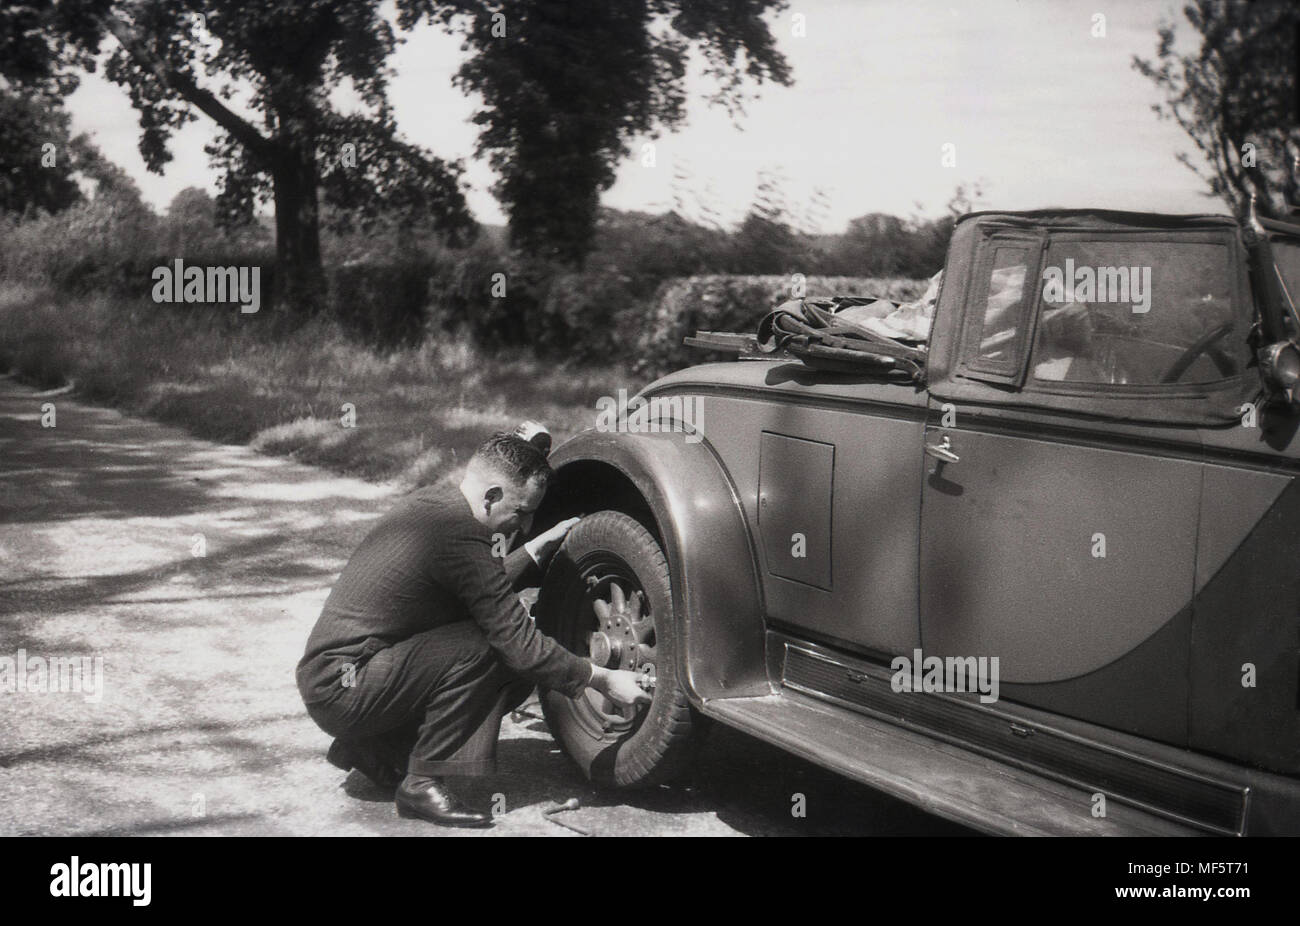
(425, 564)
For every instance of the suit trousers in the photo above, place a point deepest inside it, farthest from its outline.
(429, 705)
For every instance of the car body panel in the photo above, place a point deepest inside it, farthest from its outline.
(707, 542)
(1111, 535)
(1245, 646)
(796, 486)
(869, 599)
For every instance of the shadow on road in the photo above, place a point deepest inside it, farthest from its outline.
(749, 786)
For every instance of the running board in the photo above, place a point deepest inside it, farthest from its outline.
(939, 777)
(1166, 788)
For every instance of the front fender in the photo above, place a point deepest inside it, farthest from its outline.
(699, 521)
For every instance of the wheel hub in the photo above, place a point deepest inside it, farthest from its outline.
(606, 649)
(623, 637)
(614, 644)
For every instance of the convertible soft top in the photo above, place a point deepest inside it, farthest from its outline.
(1098, 218)
(1207, 404)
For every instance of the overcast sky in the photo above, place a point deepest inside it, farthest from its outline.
(1040, 110)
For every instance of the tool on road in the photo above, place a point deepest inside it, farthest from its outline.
(570, 804)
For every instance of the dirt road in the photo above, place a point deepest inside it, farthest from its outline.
(193, 572)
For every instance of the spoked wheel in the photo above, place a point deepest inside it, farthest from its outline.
(607, 596)
(623, 638)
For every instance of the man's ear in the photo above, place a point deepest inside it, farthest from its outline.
(493, 495)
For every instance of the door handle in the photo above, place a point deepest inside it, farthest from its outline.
(942, 451)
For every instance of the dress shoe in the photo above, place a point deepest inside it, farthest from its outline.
(345, 756)
(429, 799)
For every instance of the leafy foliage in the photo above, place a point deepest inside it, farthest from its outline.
(566, 84)
(1237, 88)
(283, 59)
(44, 42)
(571, 82)
(36, 161)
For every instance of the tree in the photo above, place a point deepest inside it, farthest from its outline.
(191, 221)
(1235, 97)
(766, 242)
(36, 157)
(40, 46)
(289, 55)
(193, 206)
(875, 244)
(109, 181)
(567, 85)
(42, 167)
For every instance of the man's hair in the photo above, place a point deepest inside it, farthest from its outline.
(514, 458)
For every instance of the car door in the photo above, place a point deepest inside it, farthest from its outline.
(1063, 544)
(826, 473)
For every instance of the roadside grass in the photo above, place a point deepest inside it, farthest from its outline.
(419, 411)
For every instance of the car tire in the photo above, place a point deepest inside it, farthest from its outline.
(639, 747)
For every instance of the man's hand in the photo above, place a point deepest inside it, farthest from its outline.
(541, 547)
(619, 685)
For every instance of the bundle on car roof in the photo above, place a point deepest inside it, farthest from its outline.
(840, 333)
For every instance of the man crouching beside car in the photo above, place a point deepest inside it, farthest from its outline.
(423, 644)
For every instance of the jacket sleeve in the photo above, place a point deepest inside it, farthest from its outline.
(521, 569)
(479, 581)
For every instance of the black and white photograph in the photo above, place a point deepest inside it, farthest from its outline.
(649, 418)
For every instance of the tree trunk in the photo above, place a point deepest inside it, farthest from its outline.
(299, 274)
